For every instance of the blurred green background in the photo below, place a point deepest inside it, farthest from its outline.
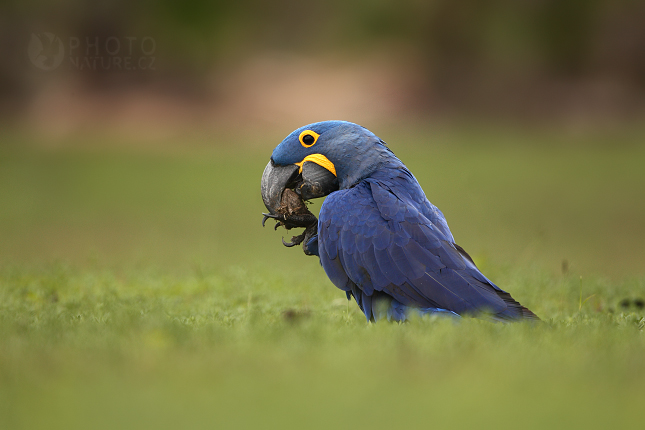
(138, 289)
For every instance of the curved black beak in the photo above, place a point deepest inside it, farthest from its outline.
(314, 181)
(275, 180)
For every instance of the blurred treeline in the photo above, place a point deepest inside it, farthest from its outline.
(507, 55)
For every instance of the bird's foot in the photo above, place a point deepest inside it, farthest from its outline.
(290, 221)
(304, 238)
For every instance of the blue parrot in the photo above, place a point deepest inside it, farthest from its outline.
(378, 237)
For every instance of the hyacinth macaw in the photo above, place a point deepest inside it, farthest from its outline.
(378, 237)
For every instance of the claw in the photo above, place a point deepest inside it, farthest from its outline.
(288, 244)
(279, 218)
(267, 216)
(295, 240)
(272, 216)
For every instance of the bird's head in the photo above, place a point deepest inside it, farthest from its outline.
(320, 158)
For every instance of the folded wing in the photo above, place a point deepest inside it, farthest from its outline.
(384, 239)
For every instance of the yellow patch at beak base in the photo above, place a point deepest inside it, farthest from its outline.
(319, 159)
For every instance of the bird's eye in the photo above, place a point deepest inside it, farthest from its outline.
(308, 138)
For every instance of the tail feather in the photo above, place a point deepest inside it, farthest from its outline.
(515, 310)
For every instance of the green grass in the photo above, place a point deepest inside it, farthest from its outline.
(138, 290)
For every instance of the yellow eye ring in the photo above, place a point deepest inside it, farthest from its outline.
(308, 138)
